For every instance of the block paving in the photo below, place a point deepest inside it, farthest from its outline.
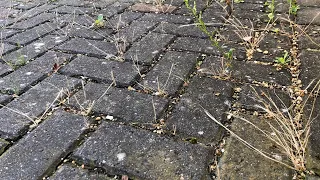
(127, 100)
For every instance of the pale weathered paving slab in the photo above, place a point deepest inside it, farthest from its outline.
(241, 162)
(43, 148)
(151, 157)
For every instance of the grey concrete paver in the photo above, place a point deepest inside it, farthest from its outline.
(66, 172)
(130, 106)
(50, 46)
(134, 31)
(146, 50)
(4, 68)
(34, 21)
(89, 47)
(16, 117)
(105, 70)
(145, 150)
(26, 76)
(189, 120)
(3, 145)
(43, 148)
(170, 72)
(30, 35)
(25, 54)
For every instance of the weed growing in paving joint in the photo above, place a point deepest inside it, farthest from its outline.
(293, 7)
(99, 22)
(270, 4)
(284, 60)
(288, 137)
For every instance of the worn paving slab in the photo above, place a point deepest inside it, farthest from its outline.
(43, 148)
(146, 50)
(153, 133)
(134, 31)
(126, 155)
(129, 106)
(27, 53)
(26, 76)
(103, 70)
(3, 145)
(89, 47)
(76, 173)
(20, 113)
(241, 162)
(176, 29)
(166, 18)
(5, 68)
(170, 72)
(188, 118)
(199, 45)
(250, 97)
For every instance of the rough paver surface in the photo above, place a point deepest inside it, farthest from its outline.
(124, 97)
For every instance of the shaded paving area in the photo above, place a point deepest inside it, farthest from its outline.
(125, 99)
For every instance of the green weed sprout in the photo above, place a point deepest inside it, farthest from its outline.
(284, 60)
(99, 22)
(294, 7)
(270, 9)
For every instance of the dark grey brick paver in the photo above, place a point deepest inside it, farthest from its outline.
(34, 21)
(68, 172)
(113, 9)
(198, 45)
(124, 73)
(85, 32)
(4, 68)
(89, 47)
(5, 48)
(170, 72)
(250, 72)
(26, 76)
(166, 18)
(311, 65)
(31, 51)
(308, 15)
(4, 98)
(32, 34)
(33, 12)
(128, 105)
(43, 148)
(251, 96)
(32, 104)
(120, 20)
(4, 33)
(189, 119)
(3, 145)
(178, 29)
(143, 154)
(73, 10)
(135, 30)
(145, 50)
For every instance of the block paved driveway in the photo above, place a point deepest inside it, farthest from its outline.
(126, 100)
